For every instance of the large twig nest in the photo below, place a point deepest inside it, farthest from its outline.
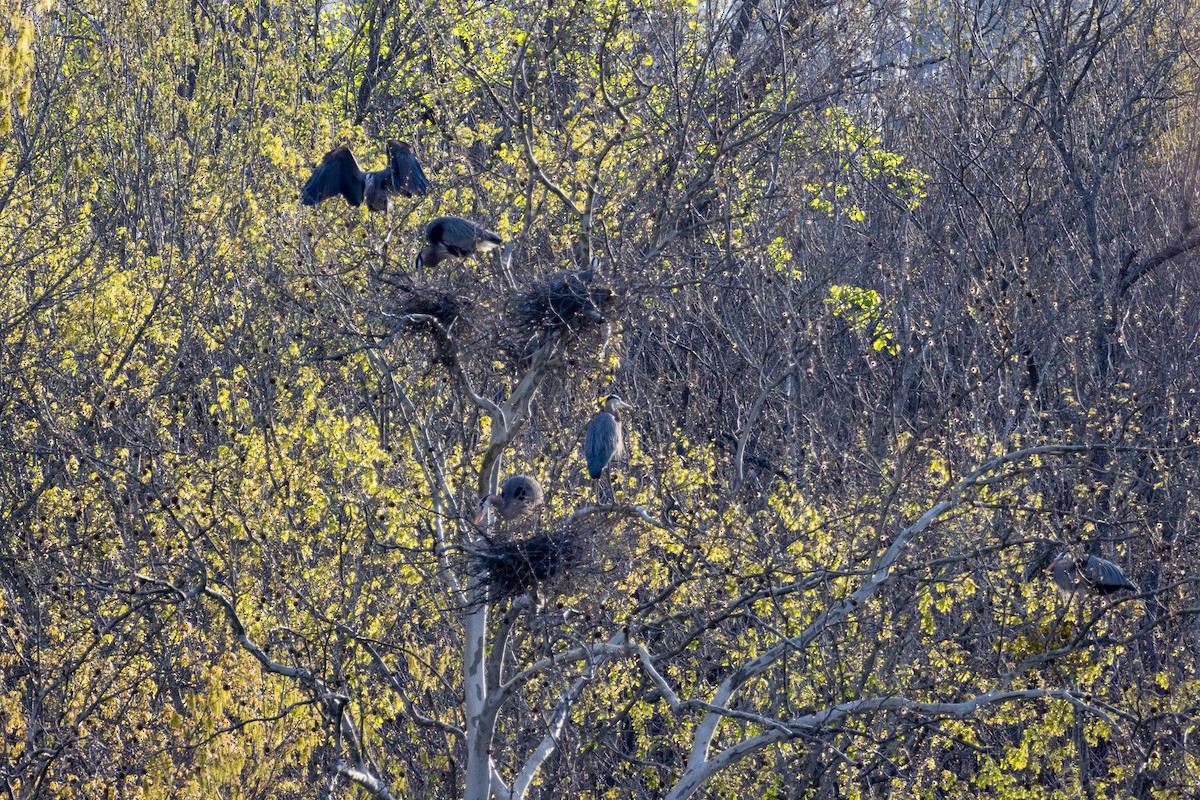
(417, 304)
(571, 299)
(512, 568)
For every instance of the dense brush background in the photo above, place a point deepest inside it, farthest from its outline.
(857, 250)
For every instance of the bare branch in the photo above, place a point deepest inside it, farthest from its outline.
(836, 613)
(697, 773)
(364, 779)
(1135, 272)
(558, 719)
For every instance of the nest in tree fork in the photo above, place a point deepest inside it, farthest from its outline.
(439, 304)
(509, 569)
(570, 299)
(515, 567)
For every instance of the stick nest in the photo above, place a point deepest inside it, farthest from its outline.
(512, 568)
(430, 301)
(572, 298)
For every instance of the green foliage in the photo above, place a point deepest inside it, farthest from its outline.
(855, 151)
(863, 310)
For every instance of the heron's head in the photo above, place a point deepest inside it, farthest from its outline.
(484, 505)
(613, 404)
(1063, 558)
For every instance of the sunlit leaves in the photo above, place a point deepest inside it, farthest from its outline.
(863, 309)
(202, 386)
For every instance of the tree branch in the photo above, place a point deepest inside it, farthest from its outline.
(835, 614)
(1185, 244)
(697, 773)
(333, 702)
(364, 779)
(559, 718)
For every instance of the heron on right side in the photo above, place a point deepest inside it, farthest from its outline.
(1094, 574)
(605, 440)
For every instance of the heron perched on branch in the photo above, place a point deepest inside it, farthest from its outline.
(455, 237)
(1097, 574)
(518, 495)
(604, 440)
(339, 173)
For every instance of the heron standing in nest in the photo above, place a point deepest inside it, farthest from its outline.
(518, 495)
(339, 173)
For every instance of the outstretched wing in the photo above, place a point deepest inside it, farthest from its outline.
(338, 173)
(1105, 575)
(407, 177)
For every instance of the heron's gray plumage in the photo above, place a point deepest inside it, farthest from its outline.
(605, 441)
(455, 237)
(340, 173)
(1097, 574)
(518, 495)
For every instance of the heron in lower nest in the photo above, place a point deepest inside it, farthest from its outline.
(518, 495)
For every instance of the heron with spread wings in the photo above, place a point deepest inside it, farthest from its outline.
(339, 173)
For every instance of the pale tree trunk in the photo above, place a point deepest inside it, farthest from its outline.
(475, 693)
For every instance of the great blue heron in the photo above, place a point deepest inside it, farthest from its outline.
(455, 237)
(604, 440)
(1097, 574)
(339, 173)
(518, 495)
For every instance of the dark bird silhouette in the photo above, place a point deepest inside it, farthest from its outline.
(604, 438)
(339, 173)
(1097, 574)
(570, 292)
(455, 237)
(518, 495)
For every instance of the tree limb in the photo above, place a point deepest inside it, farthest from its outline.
(699, 772)
(835, 614)
(1135, 272)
